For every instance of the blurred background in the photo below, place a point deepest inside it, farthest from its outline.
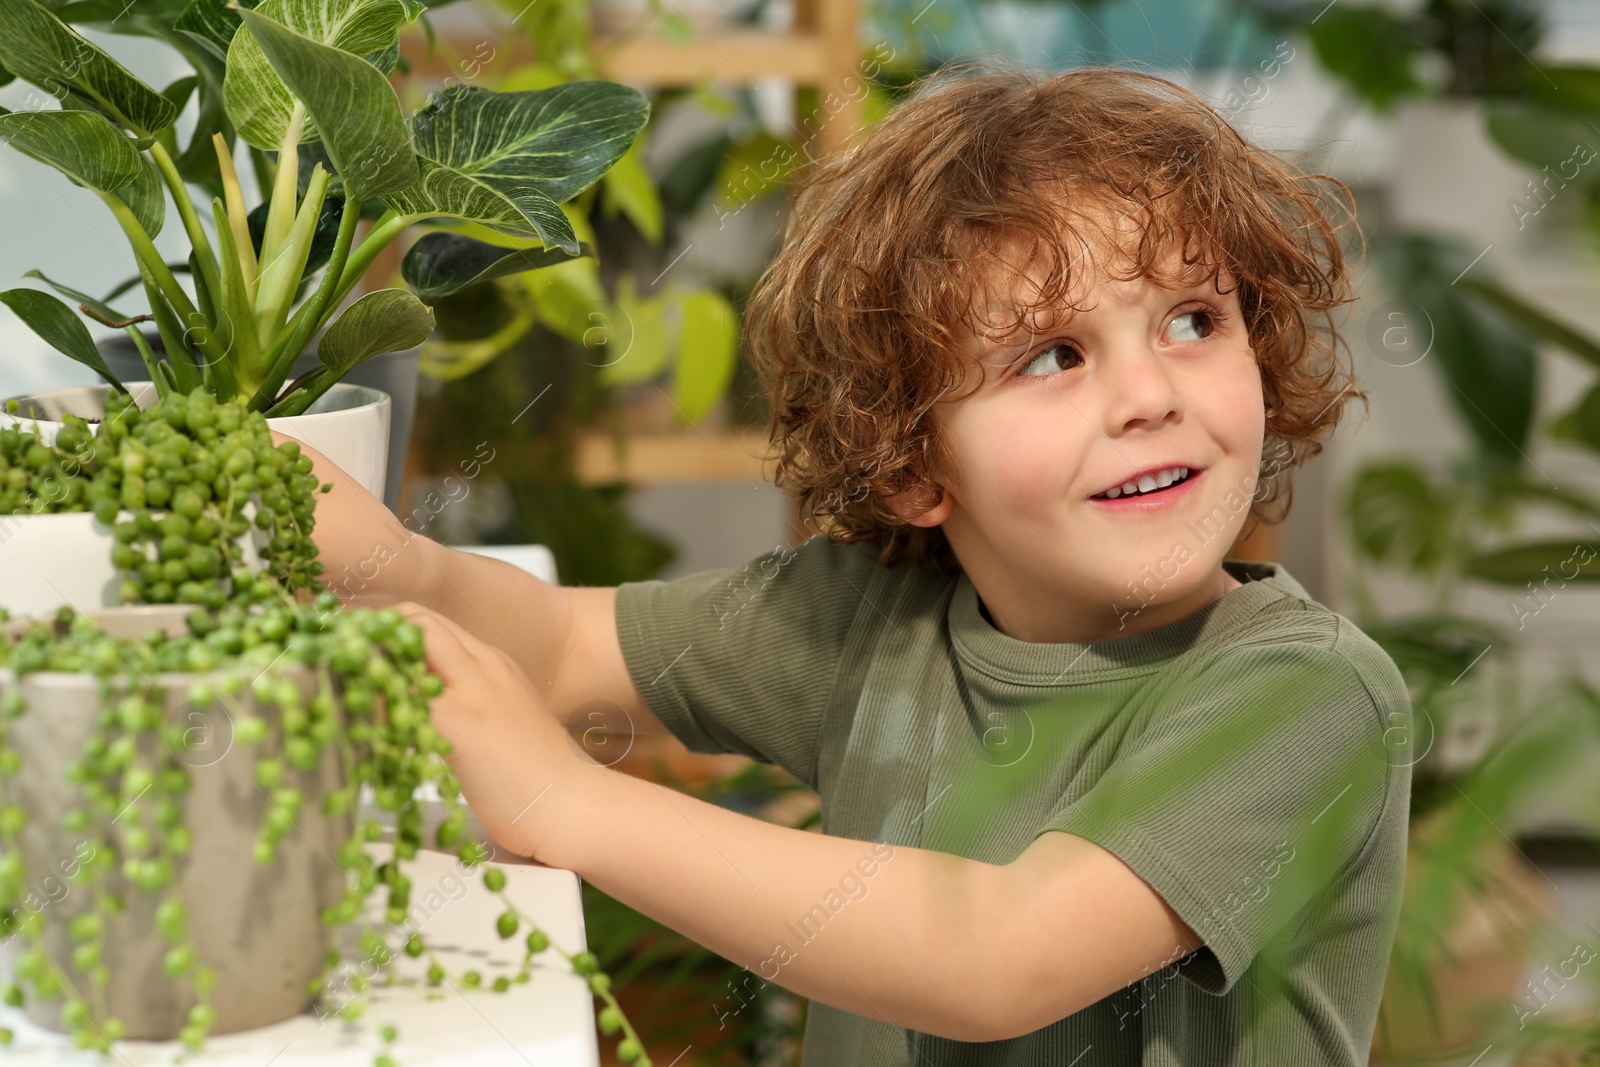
(1457, 523)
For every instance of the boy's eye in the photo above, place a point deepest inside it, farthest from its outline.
(1051, 359)
(1048, 361)
(1204, 314)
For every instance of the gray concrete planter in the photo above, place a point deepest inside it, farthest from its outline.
(259, 927)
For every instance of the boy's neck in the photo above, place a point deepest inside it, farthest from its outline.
(1025, 626)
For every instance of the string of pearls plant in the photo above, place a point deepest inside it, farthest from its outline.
(181, 484)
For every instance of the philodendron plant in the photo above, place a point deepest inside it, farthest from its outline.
(304, 78)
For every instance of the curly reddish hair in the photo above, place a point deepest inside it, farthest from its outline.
(858, 325)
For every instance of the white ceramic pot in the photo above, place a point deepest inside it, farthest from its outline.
(260, 927)
(54, 559)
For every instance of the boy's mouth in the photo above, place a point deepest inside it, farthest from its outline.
(1152, 482)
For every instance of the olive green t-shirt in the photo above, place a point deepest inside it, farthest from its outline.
(1251, 762)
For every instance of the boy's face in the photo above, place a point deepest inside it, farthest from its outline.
(1143, 379)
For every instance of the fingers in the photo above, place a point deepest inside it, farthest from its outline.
(447, 647)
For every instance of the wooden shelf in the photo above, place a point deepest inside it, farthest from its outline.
(676, 457)
(729, 56)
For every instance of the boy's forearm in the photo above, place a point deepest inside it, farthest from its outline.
(792, 906)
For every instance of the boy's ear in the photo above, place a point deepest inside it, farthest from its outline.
(912, 505)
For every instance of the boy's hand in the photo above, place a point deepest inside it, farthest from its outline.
(515, 762)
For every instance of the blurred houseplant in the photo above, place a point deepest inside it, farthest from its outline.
(1460, 76)
(553, 351)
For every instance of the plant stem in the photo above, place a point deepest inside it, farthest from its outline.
(191, 221)
(285, 189)
(145, 353)
(389, 226)
(281, 360)
(162, 276)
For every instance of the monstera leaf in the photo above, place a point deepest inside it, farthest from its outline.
(508, 160)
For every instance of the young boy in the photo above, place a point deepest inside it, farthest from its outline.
(1038, 348)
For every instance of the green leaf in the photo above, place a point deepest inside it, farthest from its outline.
(1581, 425)
(1574, 89)
(1487, 359)
(528, 213)
(1572, 560)
(1369, 49)
(1396, 516)
(443, 263)
(238, 313)
(708, 337)
(629, 341)
(1432, 649)
(507, 160)
(1546, 140)
(355, 109)
(60, 327)
(629, 188)
(93, 303)
(1535, 320)
(259, 101)
(83, 145)
(754, 167)
(212, 23)
(146, 197)
(387, 320)
(38, 47)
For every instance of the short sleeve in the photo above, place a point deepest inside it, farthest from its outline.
(742, 659)
(1260, 778)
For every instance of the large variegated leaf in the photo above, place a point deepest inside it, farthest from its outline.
(443, 263)
(388, 320)
(355, 108)
(146, 197)
(60, 327)
(40, 48)
(558, 140)
(83, 145)
(257, 97)
(444, 191)
(508, 160)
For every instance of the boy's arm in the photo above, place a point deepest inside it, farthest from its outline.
(563, 637)
(934, 942)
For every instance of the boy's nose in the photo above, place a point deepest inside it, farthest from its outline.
(1140, 386)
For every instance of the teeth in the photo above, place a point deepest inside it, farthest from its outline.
(1148, 483)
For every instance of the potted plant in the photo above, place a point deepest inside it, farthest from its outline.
(1486, 744)
(165, 849)
(308, 78)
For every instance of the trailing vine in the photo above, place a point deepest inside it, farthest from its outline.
(204, 510)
